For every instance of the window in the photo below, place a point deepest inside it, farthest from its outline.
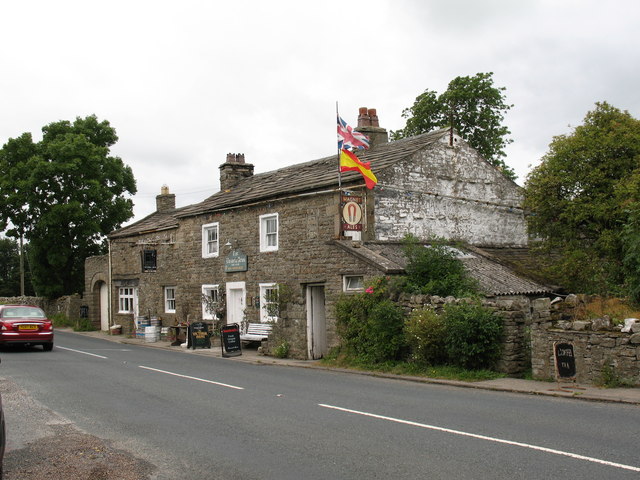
(149, 260)
(210, 242)
(269, 232)
(126, 299)
(170, 299)
(268, 302)
(353, 283)
(211, 302)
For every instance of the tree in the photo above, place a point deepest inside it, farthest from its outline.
(582, 197)
(470, 105)
(9, 268)
(64, 194)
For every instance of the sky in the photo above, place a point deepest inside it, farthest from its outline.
(186, 82)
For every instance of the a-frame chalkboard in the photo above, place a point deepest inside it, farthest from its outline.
(230, 343)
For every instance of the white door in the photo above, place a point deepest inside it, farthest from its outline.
(316, 322)
(235, 302)
(104, 307)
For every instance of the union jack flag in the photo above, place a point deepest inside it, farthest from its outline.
(348, 138)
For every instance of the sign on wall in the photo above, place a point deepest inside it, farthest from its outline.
(236, 261)
(352, 212)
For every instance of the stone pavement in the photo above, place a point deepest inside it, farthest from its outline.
(531, 387)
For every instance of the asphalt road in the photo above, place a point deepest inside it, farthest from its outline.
(198, 417)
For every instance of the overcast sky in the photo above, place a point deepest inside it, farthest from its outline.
(186, 82)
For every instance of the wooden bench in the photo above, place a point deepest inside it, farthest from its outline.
(256, 332)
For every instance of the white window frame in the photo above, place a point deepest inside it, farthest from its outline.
(266, 236)
(264, 314)
(206, 242)
(346, 283)
(208, 290)
(170, 299)
(127, 299)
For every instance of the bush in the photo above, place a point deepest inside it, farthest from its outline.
(370, 325)
(282, 350)
(435, 270)
(473, 336)
(424, 332)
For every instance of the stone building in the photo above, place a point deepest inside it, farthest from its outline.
(295, 230)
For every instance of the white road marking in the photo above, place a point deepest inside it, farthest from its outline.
(80, 351)
(484, 437)
(192, 378)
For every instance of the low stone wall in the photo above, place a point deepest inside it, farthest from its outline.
(600, 348)
(516, 311)
(68, 305)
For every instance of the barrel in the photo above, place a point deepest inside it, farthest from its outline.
(151, 334)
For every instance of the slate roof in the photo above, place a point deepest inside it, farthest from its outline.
(494, 278)
(299, 178)
(155, 222)
(310, 176)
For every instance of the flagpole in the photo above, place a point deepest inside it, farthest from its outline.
(339, 173)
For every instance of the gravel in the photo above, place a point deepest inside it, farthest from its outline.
(43, 445)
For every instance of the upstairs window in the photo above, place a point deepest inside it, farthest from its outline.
(149, 260)
(210, 241)
(269, 232)
(169, 299)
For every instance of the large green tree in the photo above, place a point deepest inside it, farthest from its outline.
(583, 200)
(64, 194)
(474, 107)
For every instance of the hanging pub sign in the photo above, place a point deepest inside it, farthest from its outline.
(199, 335)
(351, 209)
(236, 261)
(565, 360)
(230, 343)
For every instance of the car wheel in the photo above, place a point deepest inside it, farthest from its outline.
(47, 347)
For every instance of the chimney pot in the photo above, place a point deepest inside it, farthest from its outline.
(363, 117)
(373, 115)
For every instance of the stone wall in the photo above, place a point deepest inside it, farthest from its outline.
(600, 348)
(68, 305)
(514, 310)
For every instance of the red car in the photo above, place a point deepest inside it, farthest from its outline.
(25, 324)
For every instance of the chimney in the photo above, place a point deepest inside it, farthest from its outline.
(369, 124)
(165, 202)
(234, 170)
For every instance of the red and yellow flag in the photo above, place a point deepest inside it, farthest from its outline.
(349, 162)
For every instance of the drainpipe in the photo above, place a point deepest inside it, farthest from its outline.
(109, 282)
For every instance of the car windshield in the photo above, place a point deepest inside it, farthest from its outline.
(22, 312)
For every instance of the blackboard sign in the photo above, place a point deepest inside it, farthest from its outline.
(199, 333)
(231, 340)
(565, 360)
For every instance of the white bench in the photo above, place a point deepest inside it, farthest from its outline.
(256, 332)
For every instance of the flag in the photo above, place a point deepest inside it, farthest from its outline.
(349, 162)
(349, 138)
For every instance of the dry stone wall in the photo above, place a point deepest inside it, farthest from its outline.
(514, 310)
(600, 348)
